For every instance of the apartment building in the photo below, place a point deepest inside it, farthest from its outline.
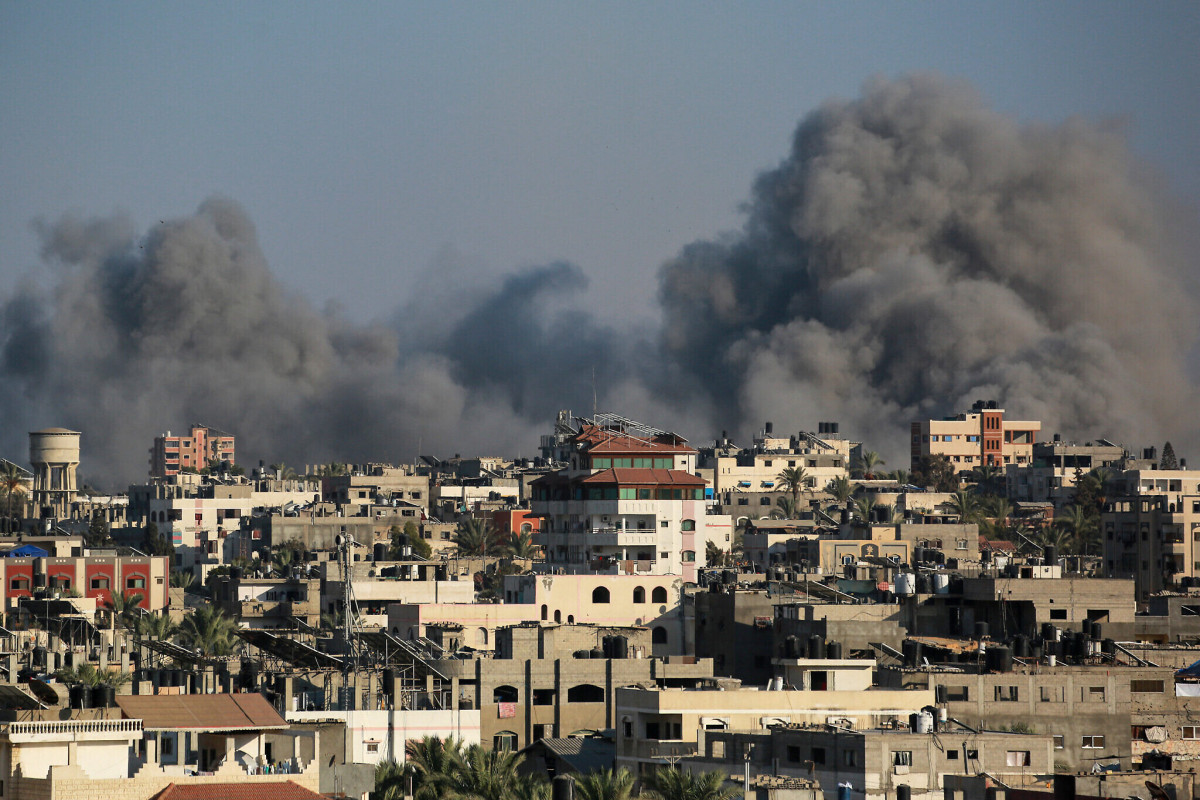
(94, 577)
(975, 438)
(823, 456)
(1150, 529)
(1056, 465)
(173, 454)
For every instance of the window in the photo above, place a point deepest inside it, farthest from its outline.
(1060, 742)
(372, 747)
(20, 584)
(504, 694)
(764, 501)
(1058, 613)
(1017, 758)
(1054, 694)
(60, 582)
(1008, 694)
(135, 582)
(687, 525)
(793, 754)
(1094, 694)
(849, 758)
(901, 758)
(658, 635)
(818, 755)
(1146, 686)
(952, 755)
(100, 582)
(659, 594)
(504, 740)
(688, 556)
(639, 594)
(600, 595)
(1092, 743)
(585, 693)
(1190, 732)
(543, 697)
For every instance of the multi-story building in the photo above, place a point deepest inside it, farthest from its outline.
(979, 437)
(174, 454)
(1150, 528)
(627, 503)
(823, 456)
(95, 577)
(1055, 467)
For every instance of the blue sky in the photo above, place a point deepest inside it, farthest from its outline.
(376, 145)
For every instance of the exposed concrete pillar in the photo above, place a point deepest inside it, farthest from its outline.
(73, 753)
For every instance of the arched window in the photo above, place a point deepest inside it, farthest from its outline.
(570, 619)
(504, 740)
(504, 694)
(688, 525)
(600, 594)
(658, 635)
(639, 594)
(483, 636)
(585, 693)
(545, 612)
(659, 595)
(526, 528)
(557, 615)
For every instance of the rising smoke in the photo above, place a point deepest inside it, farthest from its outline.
(915, 251)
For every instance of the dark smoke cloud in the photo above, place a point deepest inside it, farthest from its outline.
(187, 324)
(916, 251)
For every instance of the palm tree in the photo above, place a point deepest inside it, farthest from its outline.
(900, 476)
(1053, 536)
(283, 560)
(605, 784)
(486, 774)
(283, 471)
(785, 508)
(475, 537)
(671, 783)
(1081, 525)
(986, 476)
(158, 627)
(794, 480)
(862, 509)
(963, 504)
(842, 490)
(866, 464)
(520, 545)
(433, 761)
(333, 469)
(12, 483)
(123, 608)
(182, 580)
(391, 780)
(209, 631)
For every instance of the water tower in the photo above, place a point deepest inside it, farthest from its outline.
(54, 454)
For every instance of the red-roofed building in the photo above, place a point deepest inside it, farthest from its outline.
(628, 502)
(285, 790)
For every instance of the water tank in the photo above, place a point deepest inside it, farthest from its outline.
(104, 696)
(563, 788)
(39, 657)
(620, 647)
(1108, 647)
(582, 654)
(903, 792)
(389, 680)
(999, 659)
(924, 584)
(941, 583)
(905, 584)
(918, 555)
(1086, 625)
(1001, 562)
(844, 790)
(80, 696)
(235, 573)
(1050, 555)
(791, 647)
(606, 646)
(911, 651)
(816, 646)
(1097, 631)
(1021, 646)
(834, 650)
(597, 652)
(381, 551)
(922, 723)
(981, 630)
(1048, 632)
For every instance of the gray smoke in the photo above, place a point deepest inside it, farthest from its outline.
(916, 251)
(187, 324)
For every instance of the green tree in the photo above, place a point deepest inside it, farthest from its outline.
(182, 580)
(520, 545)
(1168, 460)
(713, 555)
(485, 774)
(842, 490)
(434, 762)
(158, 627)
(964, 504)
(12, 483)
(1082, 526)
(208, 630)
(672, 783)
(785, 508)
(900, 476)
(123, 608)
(605, 784)
(476, 537)
(410, 536)
(794, 480)
(863, 509)
(98, 532)
(866, 463)
(284, 471)
(391, 780)
(987, 477)
(156, 544)
(936, 472)
(333, 469)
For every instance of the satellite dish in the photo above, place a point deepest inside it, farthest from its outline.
(44, 692)
(339, 540)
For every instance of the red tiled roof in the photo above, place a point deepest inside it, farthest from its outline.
(606, 441)
(214, 712)
(995, 544)
(284, 790)
(645, 477)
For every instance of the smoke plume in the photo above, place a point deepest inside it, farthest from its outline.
(914, 251)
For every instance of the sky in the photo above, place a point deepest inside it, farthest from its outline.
(376, 145)
(413, 172)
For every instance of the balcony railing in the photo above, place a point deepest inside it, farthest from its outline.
(76, 726)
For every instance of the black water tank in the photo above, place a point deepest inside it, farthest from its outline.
(999, 659)
(1021, 646)
(816, 646)
(389, 680)
(981, 630)
(791, 647)
(1050, 555)
(39, 657)
(597, 652)
(903, 792)
(918, 555)
(912, 652)
(563, 788)
(104, 696)
(1108, 647)
(380, 551)
(1048, 632)
(834, 650)
(606, 646)
(1097, 631)
(582, 654)
(1086, 625)
(620, 647)
(80, 696)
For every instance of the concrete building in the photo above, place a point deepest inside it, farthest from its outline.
(93, 577)
(979, 437)
(193, 451)
(1056, 465)
(1150, 528)
(54, 455)
(269, 602)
